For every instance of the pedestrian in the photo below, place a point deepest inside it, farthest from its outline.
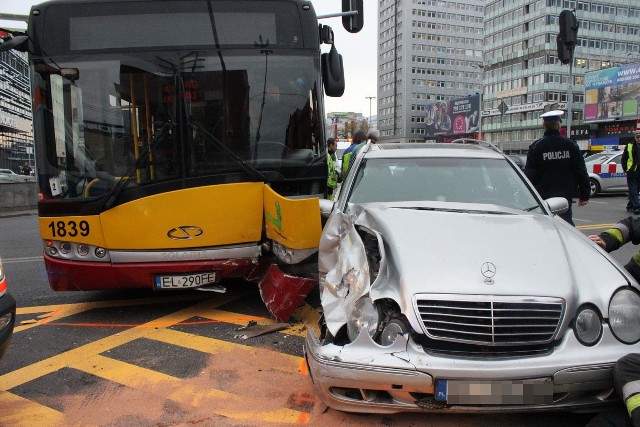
(358, 137)
(555, 166)
(630, 162)
(333, 177)
(26, 169)
(373, 135)
(626, 371)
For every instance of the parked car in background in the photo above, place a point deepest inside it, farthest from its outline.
(7, 313)
(606, 174)
(434, 299)
(7, 175)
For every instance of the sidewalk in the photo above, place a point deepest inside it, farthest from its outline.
(15, 213)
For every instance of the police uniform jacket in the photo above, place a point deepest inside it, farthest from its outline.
(556, 168)
(626, 230)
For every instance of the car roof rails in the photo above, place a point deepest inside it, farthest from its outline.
(477, 142)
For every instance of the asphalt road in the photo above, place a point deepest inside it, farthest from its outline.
(144, 358)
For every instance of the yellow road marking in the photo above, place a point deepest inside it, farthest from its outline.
(594, 226)
(66, 310)
(215, 346)
(169, 387)
(17, 411)
(76, 355)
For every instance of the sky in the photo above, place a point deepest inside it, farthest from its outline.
(358, 52)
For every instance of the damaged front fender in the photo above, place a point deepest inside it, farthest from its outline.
(344, 267)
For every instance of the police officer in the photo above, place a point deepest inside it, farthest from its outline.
(333, 176)
(626, 372)
(555, 166)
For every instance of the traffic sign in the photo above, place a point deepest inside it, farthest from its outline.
(503, 108)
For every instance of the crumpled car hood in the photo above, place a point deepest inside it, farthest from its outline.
(435, 251)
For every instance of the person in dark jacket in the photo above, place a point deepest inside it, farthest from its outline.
(630, 166)
(555, 166)
(626, 371)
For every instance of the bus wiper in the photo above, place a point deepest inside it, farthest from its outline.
(250, 170)
(113, 194)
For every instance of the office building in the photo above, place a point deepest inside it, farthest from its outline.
(523, 73)
(16, 137)
(428, 51)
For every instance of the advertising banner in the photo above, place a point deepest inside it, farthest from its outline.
(459, 116)
(612, 93)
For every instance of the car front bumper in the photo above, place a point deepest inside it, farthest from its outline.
(8, 309)
(365, 377)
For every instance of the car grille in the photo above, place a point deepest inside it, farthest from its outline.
(492, 321)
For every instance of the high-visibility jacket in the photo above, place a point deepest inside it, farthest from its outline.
(332, 178)
(346, 159)
(625, 231)
(630, 158)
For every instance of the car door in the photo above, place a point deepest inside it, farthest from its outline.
(613, 176)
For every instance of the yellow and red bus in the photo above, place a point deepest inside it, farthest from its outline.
(180, 142)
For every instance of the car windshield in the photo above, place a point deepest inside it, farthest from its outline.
(598, 157)
(469, 180)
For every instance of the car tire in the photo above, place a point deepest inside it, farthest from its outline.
(595, 187)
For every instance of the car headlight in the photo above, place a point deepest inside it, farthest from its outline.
(624, 316)
(392, 331)
(364, 314)
(588, 326)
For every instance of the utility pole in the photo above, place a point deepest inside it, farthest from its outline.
(370, 98)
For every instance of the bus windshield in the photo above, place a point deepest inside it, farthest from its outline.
(141, 118)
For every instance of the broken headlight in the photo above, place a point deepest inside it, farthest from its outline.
(364, 315)
(391, 332)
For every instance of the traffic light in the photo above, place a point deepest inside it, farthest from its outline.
(353, 23)
(568, 28)
(565, 52)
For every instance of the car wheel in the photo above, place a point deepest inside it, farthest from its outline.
(595, 187)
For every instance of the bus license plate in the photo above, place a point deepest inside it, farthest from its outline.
(182, 281)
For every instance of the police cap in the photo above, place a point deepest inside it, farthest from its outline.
(552, 115)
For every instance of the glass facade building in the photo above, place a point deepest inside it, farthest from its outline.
(521, 67)
(16, 136)
(428, 51)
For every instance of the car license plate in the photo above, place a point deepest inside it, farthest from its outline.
(537, 391)
(181, 281)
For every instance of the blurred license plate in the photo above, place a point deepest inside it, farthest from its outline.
(514, 392)
(182, 281)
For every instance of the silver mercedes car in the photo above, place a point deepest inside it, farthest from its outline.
(448, 284)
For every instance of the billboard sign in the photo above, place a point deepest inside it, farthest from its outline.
(612, 93)
(460, 116)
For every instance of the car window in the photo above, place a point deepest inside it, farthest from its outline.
(617, 159)
(487, 181)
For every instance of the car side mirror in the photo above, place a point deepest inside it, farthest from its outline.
(557, 205)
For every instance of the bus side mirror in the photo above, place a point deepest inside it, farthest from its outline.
(353, 22)
(18, 43)
(332, 72)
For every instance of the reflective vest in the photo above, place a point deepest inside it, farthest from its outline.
(332, 179)
(630, 158)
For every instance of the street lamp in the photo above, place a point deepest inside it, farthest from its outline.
(370, 98)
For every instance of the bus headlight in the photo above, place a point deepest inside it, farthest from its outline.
(83, 250)
(588, 326)
(65, 248)
(624, 316)
(364, 314)
(100, 252)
